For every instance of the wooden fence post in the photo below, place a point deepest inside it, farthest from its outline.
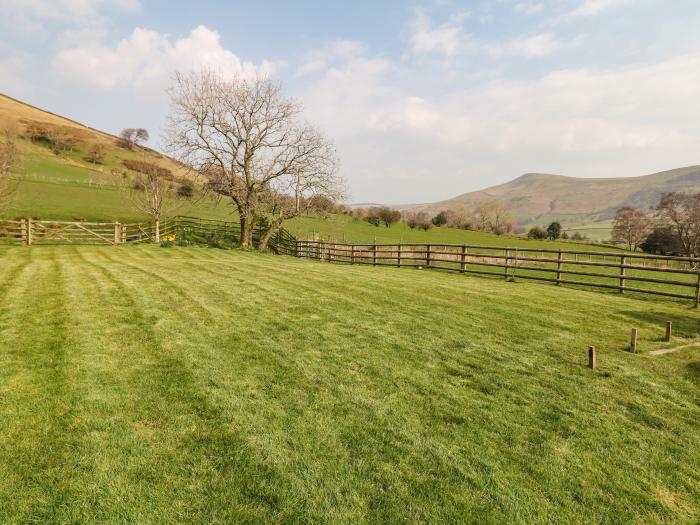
(123, 233)
(622, 274)
(428, 259)
(506, 252)
(23, 231)
(559, 269)
(668, 330)
(591, 357)
(398, 256)
(29, 231)
(352, 254)
(633, 341)
(463, 259)
(117, 233)
(374, 255)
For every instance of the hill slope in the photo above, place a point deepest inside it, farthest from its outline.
(538, 197)
(64, 184)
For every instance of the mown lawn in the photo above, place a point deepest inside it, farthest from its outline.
(151, 385)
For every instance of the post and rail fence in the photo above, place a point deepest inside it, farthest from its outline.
(677, 277)
(668, 276)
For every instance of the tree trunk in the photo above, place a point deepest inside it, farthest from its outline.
(262, 243)
(246, 240)
(157, 231)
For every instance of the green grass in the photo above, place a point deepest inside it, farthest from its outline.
(65, 187)
(150, 385)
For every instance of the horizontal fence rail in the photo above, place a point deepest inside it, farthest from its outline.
(42, 232)
(677, 277)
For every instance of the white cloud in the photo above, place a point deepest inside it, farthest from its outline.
(528, 7)
(583, 122)
(66, 9)
(148, 57)
(448, 38)
(331, 53)
(532, 46)
(591, 7)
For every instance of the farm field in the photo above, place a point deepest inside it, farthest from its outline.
(55, 191)
(143, 384)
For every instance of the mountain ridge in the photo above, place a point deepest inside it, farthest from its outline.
(533, 196)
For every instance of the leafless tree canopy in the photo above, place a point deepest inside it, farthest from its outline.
(630, 226)
(494, 217)
(9, 156)
(153, 194)
(681, 212)
(129, 138)
(248, 142)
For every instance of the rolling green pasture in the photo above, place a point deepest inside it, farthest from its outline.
(152, 385)
(65, 187)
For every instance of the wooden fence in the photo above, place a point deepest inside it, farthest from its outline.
(677, 277)
(41, 232)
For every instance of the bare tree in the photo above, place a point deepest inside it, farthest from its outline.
(630, 226)
(129, 138)
(494, 217)
(247, 140)
(97, 152)
(152, 194)
(9, 156)
(681, 212)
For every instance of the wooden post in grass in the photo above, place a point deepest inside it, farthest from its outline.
(559, 269)
(23, 231)
(374, 254)
(117, 233)
(427, 257)
(123, 233)
(398, 255)
(505, 262)
(352, 254)
(463, 259)
(591, 357)
(30, 233)
(633, 341)
(622, 274)
(669, 325)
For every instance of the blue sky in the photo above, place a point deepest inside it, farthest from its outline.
(425, 100)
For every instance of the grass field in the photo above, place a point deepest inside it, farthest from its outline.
(66, 187)
(142, 384)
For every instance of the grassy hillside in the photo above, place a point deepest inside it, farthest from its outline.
(141, 384)
(66, 185)
(537, 198)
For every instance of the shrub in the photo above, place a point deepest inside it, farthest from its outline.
(96, 153)
(662, 241)
(147, 168)
(537, 232)
(554, 231)
(185, 190)
(440, 219)
(167, 244)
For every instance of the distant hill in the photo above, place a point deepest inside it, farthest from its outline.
(539, 197)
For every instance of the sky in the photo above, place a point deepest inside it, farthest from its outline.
(424, 100)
